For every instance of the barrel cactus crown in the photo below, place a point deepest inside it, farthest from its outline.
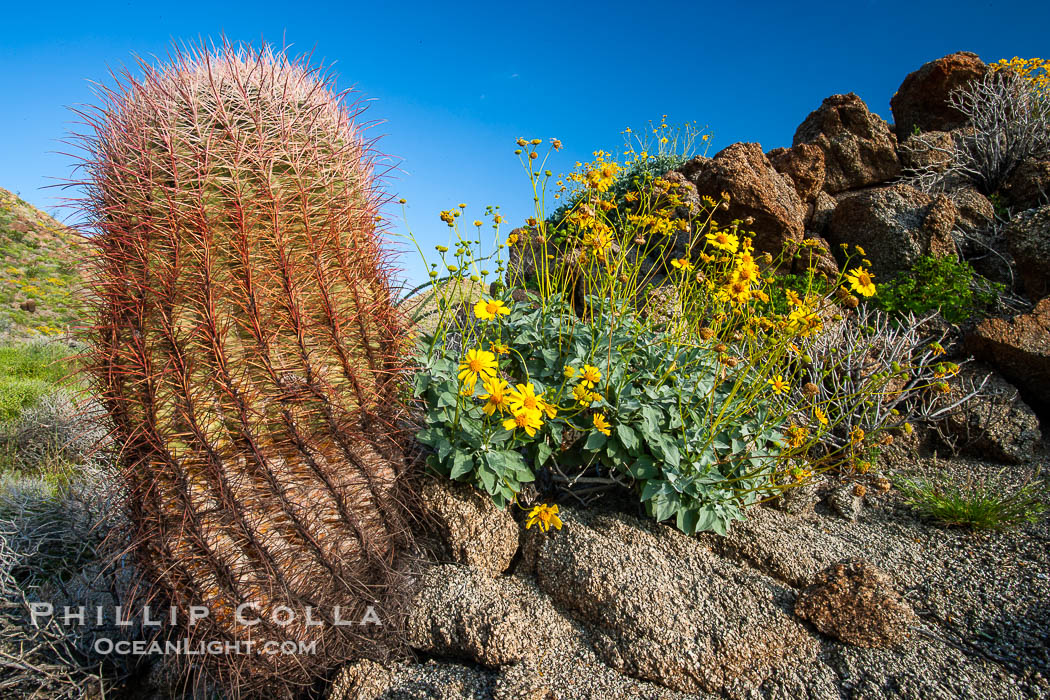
(248, 349)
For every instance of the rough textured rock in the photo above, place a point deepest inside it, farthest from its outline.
(855, 602)
(859, 148)
(974, 211)
(996, 424)
(1028, 186)
(894, 225)
(780, 545)
(928, 152)
(922, 99)
(803, 165)
(758, 191)
(822, 209)
(1028, 238)
(368, 680)
(473, 530)
(1019, 348)
(845, 502)
(460, 612)
(663, 607)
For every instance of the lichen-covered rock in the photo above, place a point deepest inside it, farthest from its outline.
(995, 424)
(1028, 238)
(855, 602)
(663, 607)
(859, 148)
(894, 225)
(1019, 348)
(433, 680)
(757, 192)
(922, 100)
(803, 165)
(472, 529)
(974, 211)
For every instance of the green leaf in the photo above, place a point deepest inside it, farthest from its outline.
(595, 440)
(462, 463)
(627, 436)
(443, 448)
(643, 468)
(446, 399)
(543, 453)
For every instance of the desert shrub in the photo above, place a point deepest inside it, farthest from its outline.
(57, 548)
(1008, 111)
(939, 283)
(52, 436)
(690, 384)
(29, 371)
(980, 504)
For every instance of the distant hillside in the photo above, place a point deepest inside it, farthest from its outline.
(39, 276)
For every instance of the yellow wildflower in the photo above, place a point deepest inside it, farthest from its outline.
(860, 281)
(524, 398)
(477, 362)
(545, 516)
(590, 375)
(496, 398)
(819, 414)
(779, 385)
(529, 421)
(601, 424)
(487, 309)
(723, 240)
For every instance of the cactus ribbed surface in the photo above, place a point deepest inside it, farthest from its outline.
(248, 350)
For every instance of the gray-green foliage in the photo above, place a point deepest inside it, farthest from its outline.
(682, 432)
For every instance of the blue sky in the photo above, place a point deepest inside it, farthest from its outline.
(455, 85)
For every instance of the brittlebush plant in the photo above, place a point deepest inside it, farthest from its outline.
(637, 341)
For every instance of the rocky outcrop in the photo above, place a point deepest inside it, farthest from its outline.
(859, 148)
(803, 165)
(1028, 238)
(996, 424)
(1028, 186)
(822, 209)
(1019, 348)
(461, 612)
(975, 212)
(855, 602)
(894, 225)
(471, 528)
(922, 100)
(928, 152)
(759, 193)
(647, 592)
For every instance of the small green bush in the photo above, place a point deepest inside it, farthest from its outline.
(941, 284)
(29, 371)
(984, 504)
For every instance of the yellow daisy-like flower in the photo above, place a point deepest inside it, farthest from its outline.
(797, 435)
(511, 240)
(523, 398)
(860, 281)
(601, 424)
(569, 371)
(793, 297)
(550, 409)
(582, 395)
(738, 291)
(723, 240)
(528, 420)
(496, 397)
(779, 385)
(500, 349)
(487, 309)
(819, 414)
(545, 516)
(477, 363)
(590, 375)
(682, 264)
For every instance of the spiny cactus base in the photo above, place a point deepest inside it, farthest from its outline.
(248, 351)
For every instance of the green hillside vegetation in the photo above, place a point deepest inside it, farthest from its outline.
(39, 276)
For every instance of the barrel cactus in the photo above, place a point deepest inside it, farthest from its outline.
(248, 349)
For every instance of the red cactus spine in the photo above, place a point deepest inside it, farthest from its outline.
(248, 350)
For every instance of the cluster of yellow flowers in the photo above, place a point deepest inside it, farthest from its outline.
(1036, 70)
(599, 175)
